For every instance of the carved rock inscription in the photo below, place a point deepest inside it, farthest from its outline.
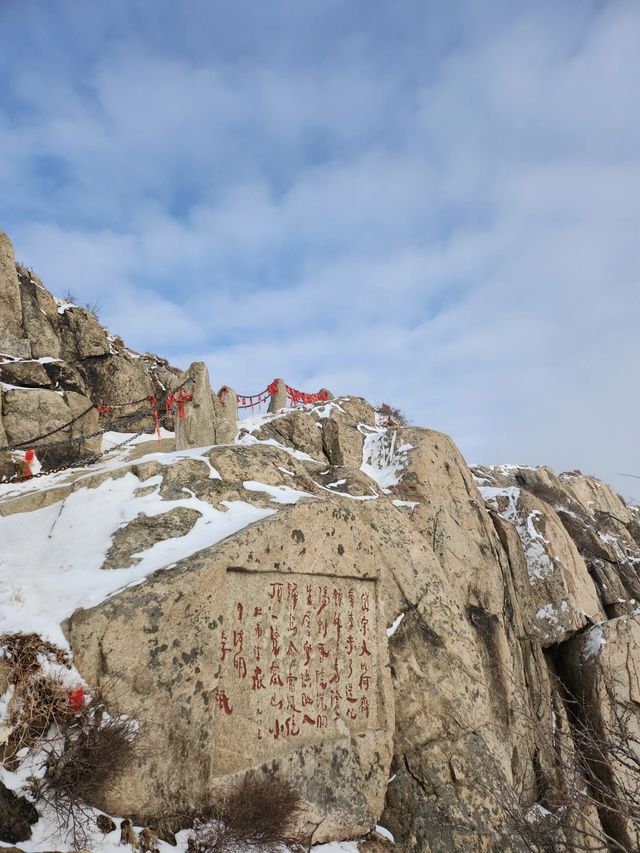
(297, 658)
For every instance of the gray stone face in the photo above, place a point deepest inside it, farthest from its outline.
(11, 331)
(30, 374)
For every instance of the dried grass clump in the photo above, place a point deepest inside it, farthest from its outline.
(39, 700)
(257, 812)
(83, 747)
(390, 416)
(97, 747)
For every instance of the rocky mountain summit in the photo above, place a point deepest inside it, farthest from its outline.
(313, 597)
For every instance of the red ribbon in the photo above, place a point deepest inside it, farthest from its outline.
(181, 398)
(300, 397)
(76, 699)
(103, 408)
(29, 457)
(154, 403)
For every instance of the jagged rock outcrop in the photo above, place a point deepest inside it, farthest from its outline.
(325, 599)
(52, 354)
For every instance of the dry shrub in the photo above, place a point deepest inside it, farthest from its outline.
(83, 746)
(39, 700)
(97, 747)
(257, 812)
(390, 416)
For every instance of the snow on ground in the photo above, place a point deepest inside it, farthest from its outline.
(279, 494)
(51, 558)
(383, 459)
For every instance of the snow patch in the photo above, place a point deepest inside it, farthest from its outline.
(52, 557)
(593, 642)
(280, 494)
(539, 564)
(383, 459)
(396, 624)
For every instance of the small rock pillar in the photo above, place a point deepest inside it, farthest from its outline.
(227, 407)
(279, 399)
(199, 425)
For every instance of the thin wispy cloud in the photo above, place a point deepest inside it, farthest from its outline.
(435, 208)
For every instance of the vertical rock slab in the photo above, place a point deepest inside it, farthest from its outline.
(279, 399)
(40, 317)
(12, 338)
(228, 421)
(342, 439)
(197, 428)
(561, 595)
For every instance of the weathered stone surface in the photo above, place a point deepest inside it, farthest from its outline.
(30, 374)
(341, 438)
(65, 377)
(595, 519)
(597, 496)
(33, 412)
(6, 465)
(144, 531)
(562, 595)
(297, 429)
(198, 426)
(228, 418)
(16, 816)
(81, 335)
(279, 399)
(40, 318)
(118, 380)
(11, 332)
(602, 669)
(275, 665)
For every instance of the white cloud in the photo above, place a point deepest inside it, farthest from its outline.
(453, 232)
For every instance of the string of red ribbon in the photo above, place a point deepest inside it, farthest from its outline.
(300, 397)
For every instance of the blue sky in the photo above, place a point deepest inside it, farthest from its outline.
(432, 204)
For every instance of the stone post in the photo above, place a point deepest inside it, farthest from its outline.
(198, 427)
(327, 392)
(279, 399)
(227, 401)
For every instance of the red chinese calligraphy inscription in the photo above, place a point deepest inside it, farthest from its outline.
(298, 656)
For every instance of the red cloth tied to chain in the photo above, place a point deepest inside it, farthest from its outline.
(103, 408)
(180, 399)
(76, 698)
(300, 397)
(154, 403)
(29, 457)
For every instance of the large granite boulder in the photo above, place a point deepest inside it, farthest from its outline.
(265, 652)
(32, 412)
